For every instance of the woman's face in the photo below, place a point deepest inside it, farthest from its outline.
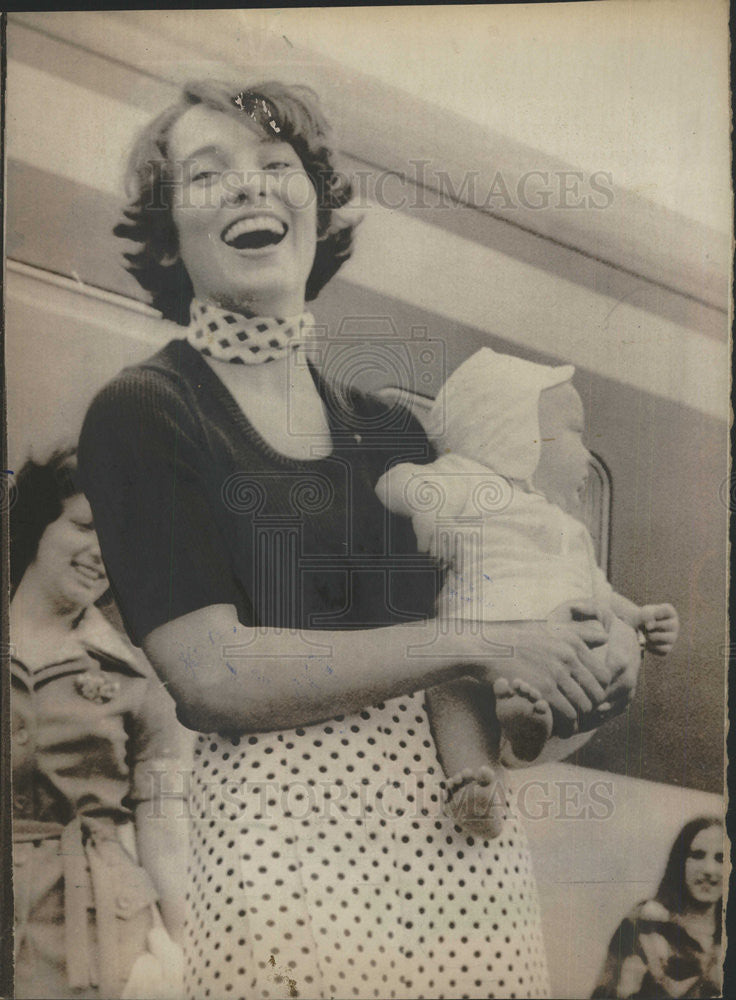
(704, 866)
(245, 213)
(68, 562)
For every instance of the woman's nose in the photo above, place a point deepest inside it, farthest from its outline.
(711, 865)
(245, 185)
(94, 549)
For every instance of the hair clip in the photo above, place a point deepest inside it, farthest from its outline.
(257, 109)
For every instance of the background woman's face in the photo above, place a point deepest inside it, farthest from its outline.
(68, 561)
(704, 866)
(245, 213)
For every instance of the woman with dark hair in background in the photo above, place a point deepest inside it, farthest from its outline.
(93, 735)
(286, 608)
(670, 946)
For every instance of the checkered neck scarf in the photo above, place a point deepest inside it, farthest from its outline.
(244, 340)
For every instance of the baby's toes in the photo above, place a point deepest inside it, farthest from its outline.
(486, 775)
(534, 694)
(526, 691)
(502, 688)
(458, 779)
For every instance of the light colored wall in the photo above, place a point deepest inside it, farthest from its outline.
(599, 844)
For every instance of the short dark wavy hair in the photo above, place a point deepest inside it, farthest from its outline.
(40, 492)
(149, 221)
(673, 892)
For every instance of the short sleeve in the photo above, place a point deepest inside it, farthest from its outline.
(431, 489)
(160, 750)
(143, 467)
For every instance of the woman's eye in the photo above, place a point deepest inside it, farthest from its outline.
(697, 855)
(277, 165)
(83, 526)
(719, 858)
(203, 175)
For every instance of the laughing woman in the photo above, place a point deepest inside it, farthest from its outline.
(94, 736)
(286, 609)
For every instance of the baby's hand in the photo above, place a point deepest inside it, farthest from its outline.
(593, 622)
(661, 627)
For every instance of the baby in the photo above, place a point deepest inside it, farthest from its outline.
(505, 496)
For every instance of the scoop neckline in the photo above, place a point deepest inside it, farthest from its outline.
(236, 414)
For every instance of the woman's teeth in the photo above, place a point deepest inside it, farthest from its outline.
(254, 232)
(88, 572)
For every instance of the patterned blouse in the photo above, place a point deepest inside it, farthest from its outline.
(652, 955)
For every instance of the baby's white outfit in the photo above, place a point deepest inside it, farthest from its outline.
(511, 554)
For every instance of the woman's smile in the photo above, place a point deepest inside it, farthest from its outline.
(254, 232)
(68, 560)
(247, 217)
(88, 573)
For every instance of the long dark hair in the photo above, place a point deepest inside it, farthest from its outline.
(292, 114)
(673, 892)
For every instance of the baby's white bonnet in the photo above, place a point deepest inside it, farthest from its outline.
(488, 410)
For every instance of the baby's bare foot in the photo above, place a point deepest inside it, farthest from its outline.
(477, 802)
(524, 716)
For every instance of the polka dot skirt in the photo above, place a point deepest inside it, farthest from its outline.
(322, 867)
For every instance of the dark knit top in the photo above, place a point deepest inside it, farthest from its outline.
(193, 507)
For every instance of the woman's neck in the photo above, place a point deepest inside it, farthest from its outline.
(700, 920)
(282, 403)
(33, 608)
(282, 304)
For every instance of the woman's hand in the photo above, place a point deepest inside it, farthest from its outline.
(158, 974)
(623, 661)
(554, 658)
(631, 977)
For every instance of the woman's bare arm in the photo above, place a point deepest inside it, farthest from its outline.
(224, 675)
(162, 838)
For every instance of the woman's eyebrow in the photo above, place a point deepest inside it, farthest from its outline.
(211, 148)
(202, 151)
